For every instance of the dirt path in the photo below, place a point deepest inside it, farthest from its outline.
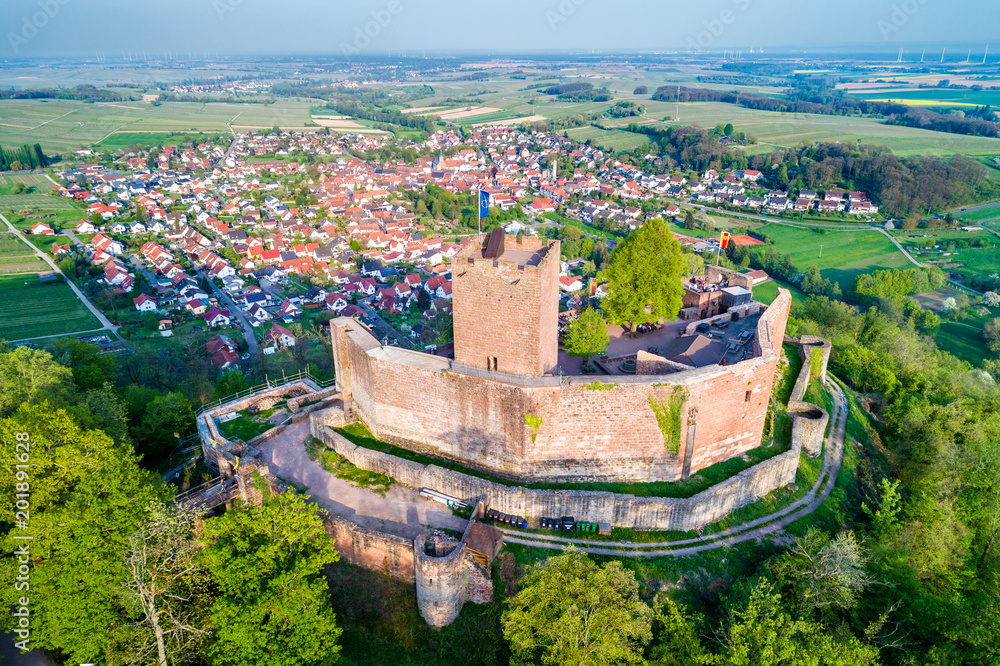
(402, 511)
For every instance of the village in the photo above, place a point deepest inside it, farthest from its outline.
(286, 224)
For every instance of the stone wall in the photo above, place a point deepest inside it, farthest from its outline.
(642, 513)
(507, 308)
(372, 550)
(424, 403)
(809, 421)
(446, 583)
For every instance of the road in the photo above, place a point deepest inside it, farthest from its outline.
(384, 328)
(73, 239)
(105, 322)
(402, 511)
(248, 333)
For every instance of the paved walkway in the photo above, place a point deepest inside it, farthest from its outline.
(402, 511)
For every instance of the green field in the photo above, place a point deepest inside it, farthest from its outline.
(935, 97)
(839, 254)
(39, 201)
(963, 341)
(974, 260)
(35, 182)
(792, 129)
(16, 257)
(979, 215)
(64, 125)
(31, 309)
(608, 139)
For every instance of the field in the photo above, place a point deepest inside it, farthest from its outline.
(31, 309)
(840, 254)
(979, 215)
(35, 182)
(16, 257)
(608, 139)
(792, 129)
(933, 97)
(963, 341)
(973, 260)
(64, 125)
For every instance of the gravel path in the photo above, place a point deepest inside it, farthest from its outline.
(402, 511)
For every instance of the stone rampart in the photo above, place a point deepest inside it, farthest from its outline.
(571, 430)
(620, 510)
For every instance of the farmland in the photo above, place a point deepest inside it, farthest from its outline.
(63, 125)
(974, 260)
(840, 254)
(31, 309)
(16, 257)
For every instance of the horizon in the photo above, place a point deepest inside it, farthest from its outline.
(62, 28)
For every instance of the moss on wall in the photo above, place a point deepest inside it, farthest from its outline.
(533, 422)
(668, 417)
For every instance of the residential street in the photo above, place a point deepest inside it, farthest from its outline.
(248, 332)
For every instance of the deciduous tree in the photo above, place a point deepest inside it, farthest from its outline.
(571, 611)
(644, 276)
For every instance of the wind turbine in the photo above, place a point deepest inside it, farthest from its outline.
(986, 52)
(942, 53)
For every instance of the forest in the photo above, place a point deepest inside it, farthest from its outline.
(893, 113)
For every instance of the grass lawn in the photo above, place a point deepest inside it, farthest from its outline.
(964, 341)
(767, 292)
(839, 254)
(30, 309)
(979, 215)
(246, 426)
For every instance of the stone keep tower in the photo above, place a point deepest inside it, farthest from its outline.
(506, 305)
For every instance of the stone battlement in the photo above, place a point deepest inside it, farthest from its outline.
(528, 427)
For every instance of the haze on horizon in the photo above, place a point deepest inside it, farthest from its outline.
(182, 28)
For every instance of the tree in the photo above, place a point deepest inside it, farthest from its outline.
(423, 299)
(163, 583)
(763, 632)
(165, 415)
(644, 276)
(587, 336)
(273, 608)
(824, 572)
(30, 376)
(689, 221)
(571, 611)
(728, 129)
(991, 334)
(991, 298)
(87, 496)
(676, 641)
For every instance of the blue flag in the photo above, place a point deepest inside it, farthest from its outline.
(484, 203)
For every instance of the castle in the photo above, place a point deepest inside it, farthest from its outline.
(506, 407)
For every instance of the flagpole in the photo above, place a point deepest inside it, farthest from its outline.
(479, 213)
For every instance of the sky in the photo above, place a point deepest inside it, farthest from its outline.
(42, 28)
